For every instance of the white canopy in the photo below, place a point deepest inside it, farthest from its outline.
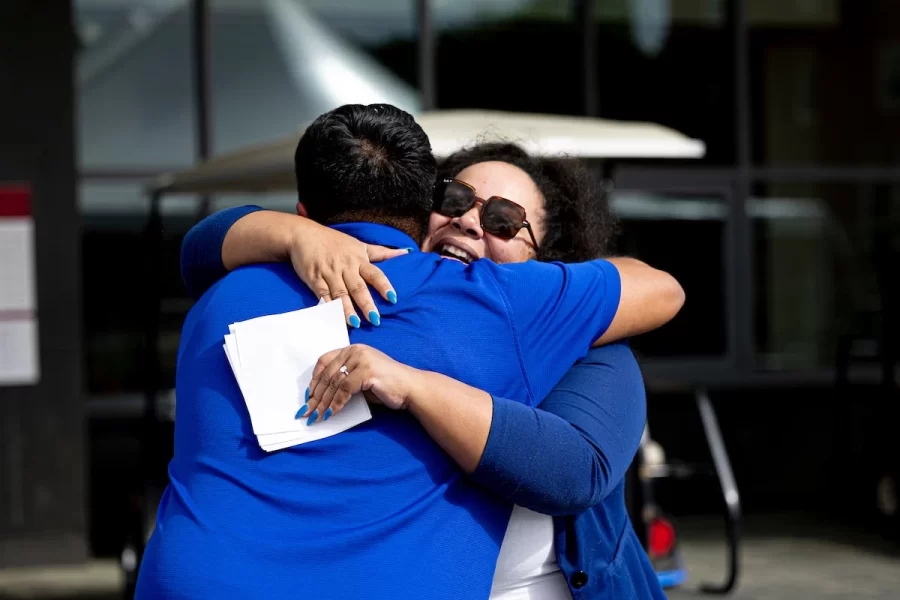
(270, 167)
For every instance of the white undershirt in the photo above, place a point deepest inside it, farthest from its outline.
(526, 567)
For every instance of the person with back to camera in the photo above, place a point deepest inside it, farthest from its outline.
(379, 510)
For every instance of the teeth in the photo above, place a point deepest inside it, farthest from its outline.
(456, 252)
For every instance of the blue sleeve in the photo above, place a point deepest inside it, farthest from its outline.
(201, 249)
(573, 450)
(558, 311)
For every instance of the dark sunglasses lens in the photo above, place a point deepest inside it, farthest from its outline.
(502, 218)
(453, 199)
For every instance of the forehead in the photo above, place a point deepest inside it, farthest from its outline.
(501, 179)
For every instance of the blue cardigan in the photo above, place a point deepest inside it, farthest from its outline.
(566, 458)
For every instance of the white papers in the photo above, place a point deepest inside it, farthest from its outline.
(273, 358)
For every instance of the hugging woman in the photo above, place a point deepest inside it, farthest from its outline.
(562, 463)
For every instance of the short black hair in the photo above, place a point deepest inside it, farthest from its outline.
(359, 158)
(579, 223)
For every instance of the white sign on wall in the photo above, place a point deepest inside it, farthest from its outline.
(19, 357)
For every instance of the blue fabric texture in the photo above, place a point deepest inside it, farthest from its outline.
(201, 249)
(379, 511)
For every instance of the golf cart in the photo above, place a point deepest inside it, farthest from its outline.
(269, 169)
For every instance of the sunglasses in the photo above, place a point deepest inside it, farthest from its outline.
(499, 216)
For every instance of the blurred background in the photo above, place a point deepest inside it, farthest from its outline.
(785, 235)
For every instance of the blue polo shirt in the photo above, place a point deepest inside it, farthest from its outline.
(379, 511)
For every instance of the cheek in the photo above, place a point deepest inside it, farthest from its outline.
(436, 222)
(505, 251)
(497, 250)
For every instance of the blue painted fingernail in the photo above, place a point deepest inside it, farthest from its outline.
(306, 397)
(375, 318)
(326, 415)
(354, 321)
(392, 297)
(302, 410)
(312, 418)
(409, 249)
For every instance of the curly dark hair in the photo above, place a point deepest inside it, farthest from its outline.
(579, 223)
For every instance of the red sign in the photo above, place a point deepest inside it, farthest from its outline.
(15, 200)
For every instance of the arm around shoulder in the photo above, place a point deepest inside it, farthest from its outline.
(649, 299)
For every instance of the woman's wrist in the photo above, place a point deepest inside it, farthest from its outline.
(417, 390)
(297, 235)
(263, 236)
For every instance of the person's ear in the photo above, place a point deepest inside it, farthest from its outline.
(301, 210)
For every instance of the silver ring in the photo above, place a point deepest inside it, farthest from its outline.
(344, 370)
